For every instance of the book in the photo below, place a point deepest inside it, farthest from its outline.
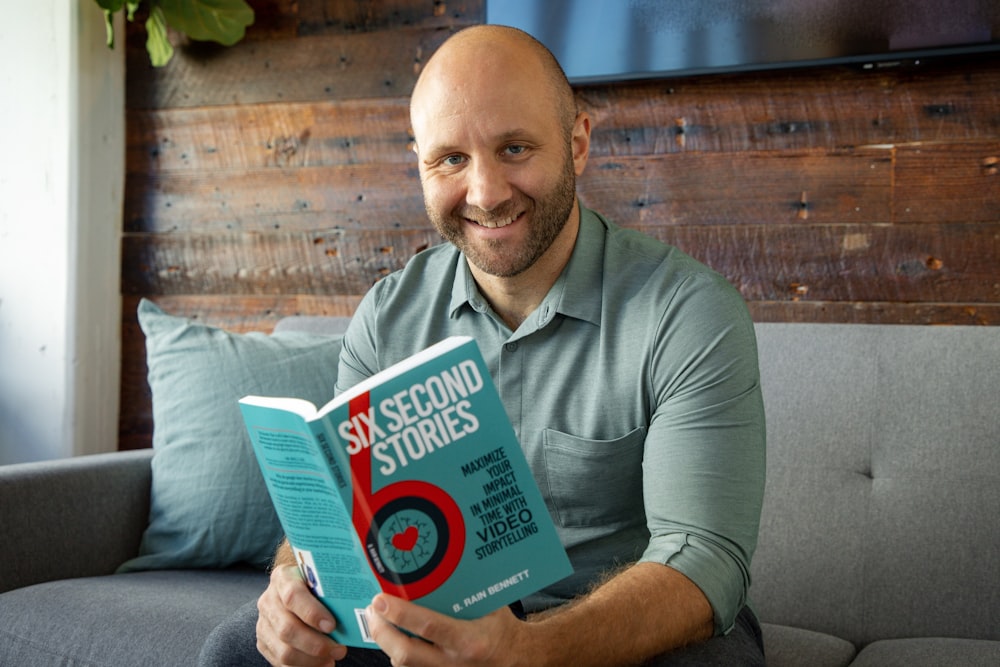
(412, 482)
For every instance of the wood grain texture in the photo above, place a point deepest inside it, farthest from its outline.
(272, 136)
(333, 262)
(363, 196)
(940, 182)
(828, 262)
(945, 100)
(743, 188)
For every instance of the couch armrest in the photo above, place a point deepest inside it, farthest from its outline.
(74, 517)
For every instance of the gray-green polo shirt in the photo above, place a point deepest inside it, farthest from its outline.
(633, 389)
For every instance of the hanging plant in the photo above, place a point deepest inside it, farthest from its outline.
(222, 21)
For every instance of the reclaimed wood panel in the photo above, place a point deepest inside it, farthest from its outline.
(850, 263)
(331, 262)
(310, 68)
(850, 186)
(364, 196)
(946, 100)
(637, 120)
(835, 262)
(278, 136)
(947, 181)
(742, 188)
(326, 16)
(299, 50)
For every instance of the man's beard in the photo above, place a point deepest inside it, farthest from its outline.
(549, 216)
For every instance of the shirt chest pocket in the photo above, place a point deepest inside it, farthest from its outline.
(595, 481)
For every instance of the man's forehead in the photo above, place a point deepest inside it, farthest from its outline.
(508, 109)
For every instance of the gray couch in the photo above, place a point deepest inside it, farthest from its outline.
(879, 543)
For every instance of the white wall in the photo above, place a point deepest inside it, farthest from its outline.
(61, 181)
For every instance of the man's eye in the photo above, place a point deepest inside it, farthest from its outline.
(453, 160)
(515, 149)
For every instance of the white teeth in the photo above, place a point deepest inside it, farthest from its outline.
(494, 224)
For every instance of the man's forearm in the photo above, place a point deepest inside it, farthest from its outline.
(641, 612)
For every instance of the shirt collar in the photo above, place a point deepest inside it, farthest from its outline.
(581, 292)
(576, 293)
(463, 289)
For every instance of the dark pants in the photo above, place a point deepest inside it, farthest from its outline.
(234, 644)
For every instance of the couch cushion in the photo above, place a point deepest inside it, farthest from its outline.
(209, 506)
(932, 557)
(785, 646)
(808, 570)
(145, 618)
(929, 652)
(879, 518)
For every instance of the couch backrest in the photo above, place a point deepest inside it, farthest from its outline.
(320, 324)
(882, 510)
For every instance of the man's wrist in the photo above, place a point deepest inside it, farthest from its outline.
(283, 555)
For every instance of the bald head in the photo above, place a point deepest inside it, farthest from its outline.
(492, 56)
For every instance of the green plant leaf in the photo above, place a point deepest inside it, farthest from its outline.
(222, 21)
(131, 6)
(109, 28)
(110, 7)
(157, 45)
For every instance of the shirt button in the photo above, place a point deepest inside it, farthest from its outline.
(510, 347)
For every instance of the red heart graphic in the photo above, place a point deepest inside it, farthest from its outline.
(406, 540)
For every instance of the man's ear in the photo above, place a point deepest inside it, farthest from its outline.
(581, 141)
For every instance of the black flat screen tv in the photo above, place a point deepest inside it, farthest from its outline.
(613, 40)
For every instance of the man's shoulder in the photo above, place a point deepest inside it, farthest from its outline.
(441, 256)
(630, 250)
(424, 283)
(647, 280)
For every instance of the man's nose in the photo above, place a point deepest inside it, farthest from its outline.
(488, 186)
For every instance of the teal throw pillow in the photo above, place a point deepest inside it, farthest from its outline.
(209, 507)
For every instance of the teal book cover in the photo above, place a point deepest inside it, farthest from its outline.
(413, 483)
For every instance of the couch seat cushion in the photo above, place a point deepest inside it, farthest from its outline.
(142, 618)
(785, 646)
(929, 652)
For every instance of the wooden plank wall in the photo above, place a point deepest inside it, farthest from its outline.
(275, 177)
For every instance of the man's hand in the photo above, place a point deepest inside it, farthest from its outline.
(293, 626)
(484, 642)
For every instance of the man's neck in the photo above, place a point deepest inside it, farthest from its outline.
(513, 299)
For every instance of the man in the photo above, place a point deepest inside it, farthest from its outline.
(628, 369)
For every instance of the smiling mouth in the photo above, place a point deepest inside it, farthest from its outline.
(497, 223)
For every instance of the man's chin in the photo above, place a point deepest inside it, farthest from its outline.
(497, 263)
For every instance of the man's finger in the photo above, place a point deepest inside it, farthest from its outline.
(296, 597)
(390, 621)
(292, 628)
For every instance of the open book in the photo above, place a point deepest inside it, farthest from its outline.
(411, 482)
